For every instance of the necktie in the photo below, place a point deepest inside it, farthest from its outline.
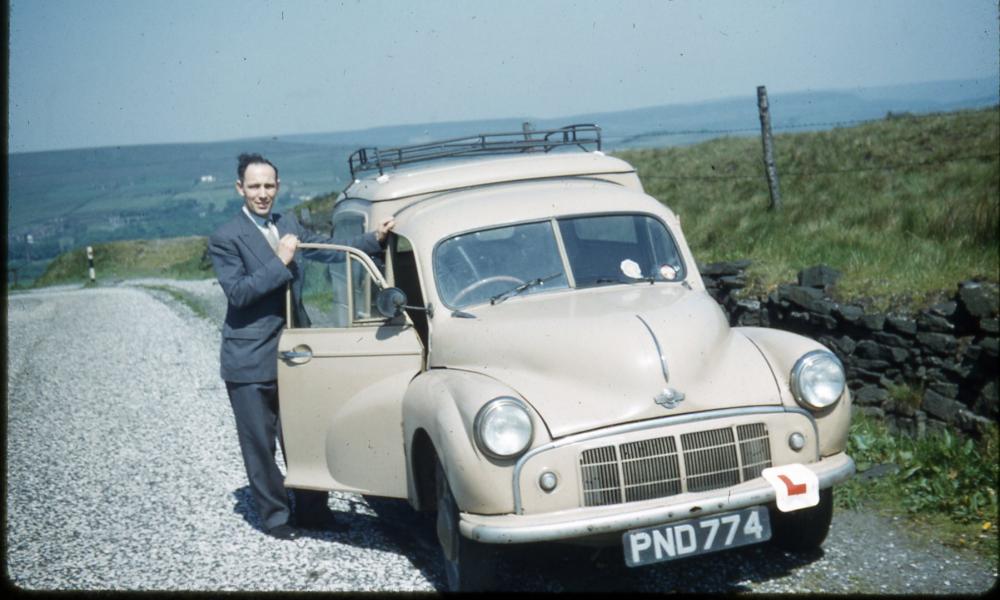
(272, 235)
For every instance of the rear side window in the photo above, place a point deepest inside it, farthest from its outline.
(347, 225)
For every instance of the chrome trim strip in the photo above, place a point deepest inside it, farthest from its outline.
(563, 255)
(830, 471)
(659, 351)
(651, 424)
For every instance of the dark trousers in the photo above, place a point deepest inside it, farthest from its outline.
(255, 407)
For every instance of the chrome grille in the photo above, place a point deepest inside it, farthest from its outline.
(652, 468)
(710, 459)
(754, 448)
(599, 473)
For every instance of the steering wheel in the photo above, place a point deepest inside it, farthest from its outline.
(478, 284)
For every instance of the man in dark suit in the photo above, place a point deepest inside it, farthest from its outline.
(254, 258)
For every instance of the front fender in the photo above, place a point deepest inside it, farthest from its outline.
(440, 405)
(781, 349)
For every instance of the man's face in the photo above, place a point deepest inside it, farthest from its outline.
(258, 188)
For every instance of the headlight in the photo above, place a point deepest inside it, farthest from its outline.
(503, 428)
(818, 380)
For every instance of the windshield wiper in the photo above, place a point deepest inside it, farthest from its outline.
(520, 288)
(629, 280)
(647, 279)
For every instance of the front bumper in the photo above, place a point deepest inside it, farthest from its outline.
(595, 521)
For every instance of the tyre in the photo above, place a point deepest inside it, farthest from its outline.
(469, 565)
(805, 529)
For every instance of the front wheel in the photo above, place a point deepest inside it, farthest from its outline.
(804, 529)
(468, 565)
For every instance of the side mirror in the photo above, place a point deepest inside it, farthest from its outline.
(390, 302)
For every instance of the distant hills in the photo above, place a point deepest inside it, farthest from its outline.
(732, 116)
(71, 198)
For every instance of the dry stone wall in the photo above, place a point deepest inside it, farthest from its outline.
(924, 371)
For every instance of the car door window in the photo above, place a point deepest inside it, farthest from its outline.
(338, 290)
(347, 225)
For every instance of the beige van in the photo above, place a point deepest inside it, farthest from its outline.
(538, 360)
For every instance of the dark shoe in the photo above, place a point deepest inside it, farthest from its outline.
(283, 532)
(323, 520)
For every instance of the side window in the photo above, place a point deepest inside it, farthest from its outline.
(347, 225)
(338, 290)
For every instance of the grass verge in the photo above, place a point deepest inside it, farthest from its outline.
(904, 207)
(176, 258)
(945, 485)
(189, 300)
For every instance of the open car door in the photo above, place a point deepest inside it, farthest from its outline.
(341, 381)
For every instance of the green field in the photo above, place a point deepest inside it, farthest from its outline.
(905, 207)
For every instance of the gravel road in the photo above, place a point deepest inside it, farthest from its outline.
(123, 473)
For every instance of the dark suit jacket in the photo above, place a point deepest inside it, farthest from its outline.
(253, 279)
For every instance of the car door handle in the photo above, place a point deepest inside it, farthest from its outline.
(293, 354)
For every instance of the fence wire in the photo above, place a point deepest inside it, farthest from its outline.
(812, 125)
(856, 169)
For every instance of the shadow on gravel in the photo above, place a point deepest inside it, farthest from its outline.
(395, 528)
(244, 507)
(551, 567)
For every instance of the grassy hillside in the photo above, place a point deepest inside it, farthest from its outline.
(67, 184)
(904, 207)
(178, 258)
(70, 198)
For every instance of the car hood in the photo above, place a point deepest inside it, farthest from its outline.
(586, 359)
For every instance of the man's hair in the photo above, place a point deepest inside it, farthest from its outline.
(245, 160)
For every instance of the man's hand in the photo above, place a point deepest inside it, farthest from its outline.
(383, 229)
(287, 246)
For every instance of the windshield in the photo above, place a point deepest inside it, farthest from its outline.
(608, 249)
(475, 267)
(493, 264)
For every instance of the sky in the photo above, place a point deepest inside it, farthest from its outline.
(90, 73)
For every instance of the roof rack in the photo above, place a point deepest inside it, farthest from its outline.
(542, 140)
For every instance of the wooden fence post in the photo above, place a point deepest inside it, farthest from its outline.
(770, 169)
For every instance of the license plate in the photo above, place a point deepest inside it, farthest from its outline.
(696, 536)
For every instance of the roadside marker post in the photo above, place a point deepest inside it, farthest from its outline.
(90, 262)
